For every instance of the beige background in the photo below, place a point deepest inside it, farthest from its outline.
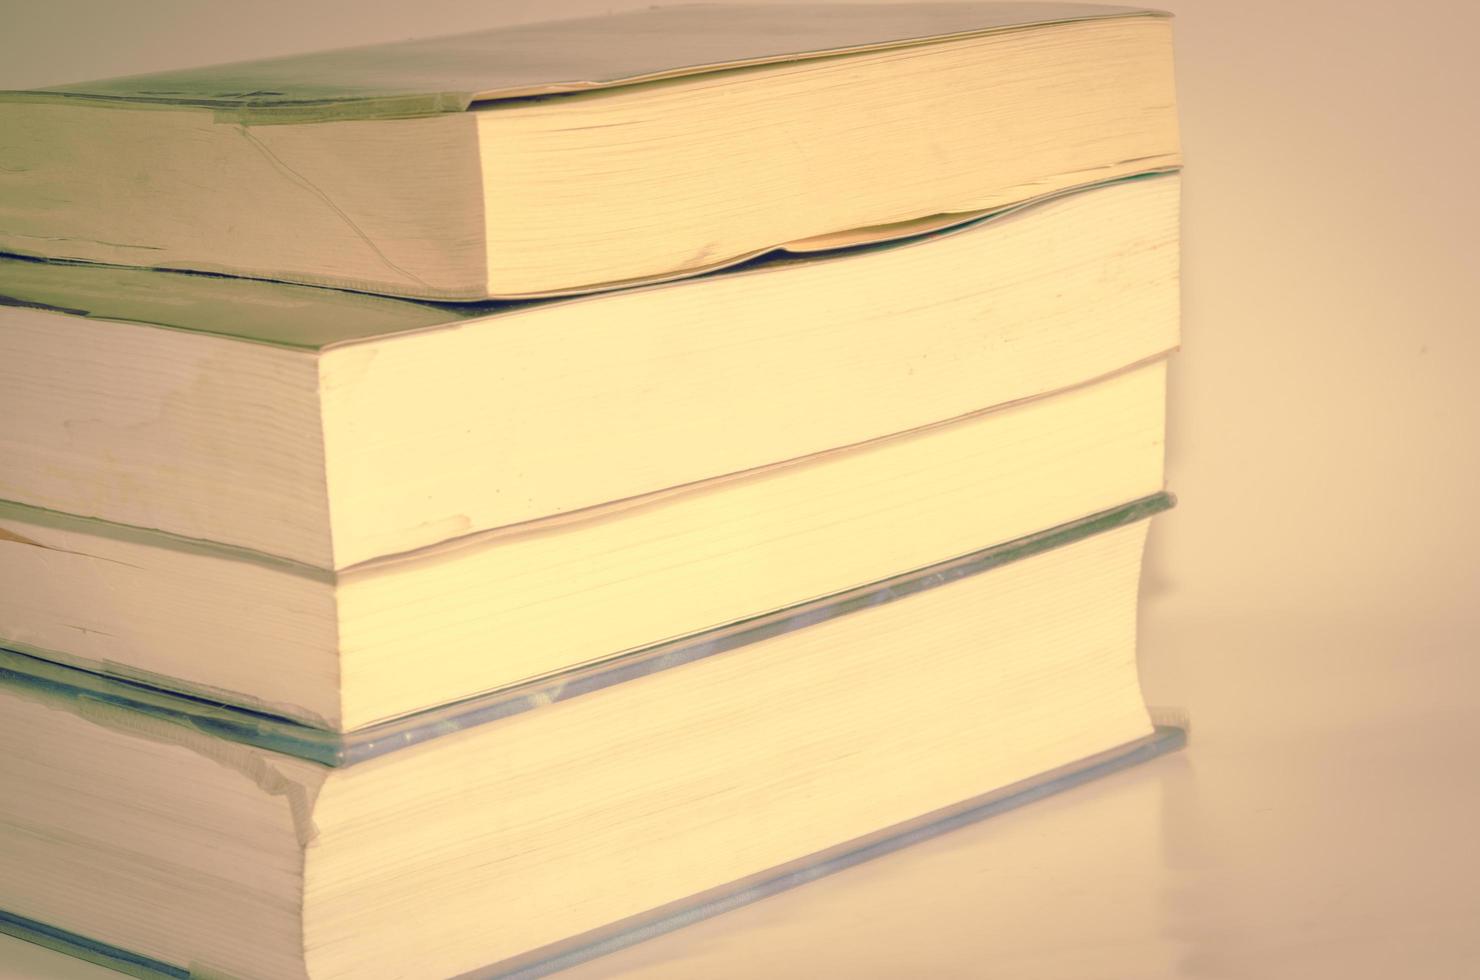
(1313, 601)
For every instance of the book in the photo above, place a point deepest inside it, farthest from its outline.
(347, 649)
(773, 494)
(579, 154)
(492, 835)
(331, 428)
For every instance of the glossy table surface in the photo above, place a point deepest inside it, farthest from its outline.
(1320, 824)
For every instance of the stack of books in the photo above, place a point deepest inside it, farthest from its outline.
(469, 503)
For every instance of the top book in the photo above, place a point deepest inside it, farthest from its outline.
(579, 155)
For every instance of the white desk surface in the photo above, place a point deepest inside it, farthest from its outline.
(1320, 824)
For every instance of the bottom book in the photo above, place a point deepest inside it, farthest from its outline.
(520, 833)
